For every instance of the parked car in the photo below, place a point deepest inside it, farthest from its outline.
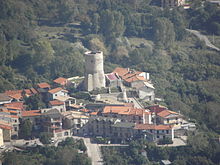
(2, 147)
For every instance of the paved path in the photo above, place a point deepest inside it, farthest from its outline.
(94, 152)
(203, 38)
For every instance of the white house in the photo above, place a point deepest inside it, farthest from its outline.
(56, 92)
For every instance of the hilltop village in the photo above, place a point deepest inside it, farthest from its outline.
(110, 106)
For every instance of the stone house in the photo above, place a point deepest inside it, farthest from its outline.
(113, 80)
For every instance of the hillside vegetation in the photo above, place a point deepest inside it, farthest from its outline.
(41, 40)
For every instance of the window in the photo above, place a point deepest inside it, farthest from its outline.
(168, 120)
(158, 137)
(167, 131)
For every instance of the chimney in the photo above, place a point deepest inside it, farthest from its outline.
(147, 76)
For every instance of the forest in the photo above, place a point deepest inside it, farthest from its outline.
(65, 154)
(42, 40)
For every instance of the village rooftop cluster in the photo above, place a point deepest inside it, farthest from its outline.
(115, 115)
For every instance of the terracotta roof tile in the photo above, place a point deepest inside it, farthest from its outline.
(12, 92)
(15, 104)
(43, 85)
(14, 116)
(60, 80)
(124, 110)
(166, 113)
(55, 90)
(56, 102)
(30, 113)
(4, 125)
(94, 113)
(129, 75)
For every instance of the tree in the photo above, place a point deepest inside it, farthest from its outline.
(163, 32)
(25, 130)
(43, 52)
(34, 102)
(45, 137)
(111, 24)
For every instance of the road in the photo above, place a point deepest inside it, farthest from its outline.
(203, 38)
(93, 151)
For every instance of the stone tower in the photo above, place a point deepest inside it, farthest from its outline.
(94, 72)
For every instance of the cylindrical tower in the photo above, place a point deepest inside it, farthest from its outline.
(94, 72)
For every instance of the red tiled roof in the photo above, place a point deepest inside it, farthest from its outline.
(152, 127)
(123, 110)
(4, 125)
(14, 116)
(75, 106)
(55, 90)
(129, 75)
(157, 108)
(34, 91)
(12, 92)
(94, 113)
(43, 85)
(84, 110)
(13, 111)
(121, 71)
(13, 108)
(112, 76)
(166, 113)
(60, 80)
(56, 102)
(16, 96)
(30, 113)
(15, 104)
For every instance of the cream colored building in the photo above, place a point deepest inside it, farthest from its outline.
(168, 117)
(1, 137)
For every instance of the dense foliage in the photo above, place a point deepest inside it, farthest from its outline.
(202, 150)
(65, 154)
